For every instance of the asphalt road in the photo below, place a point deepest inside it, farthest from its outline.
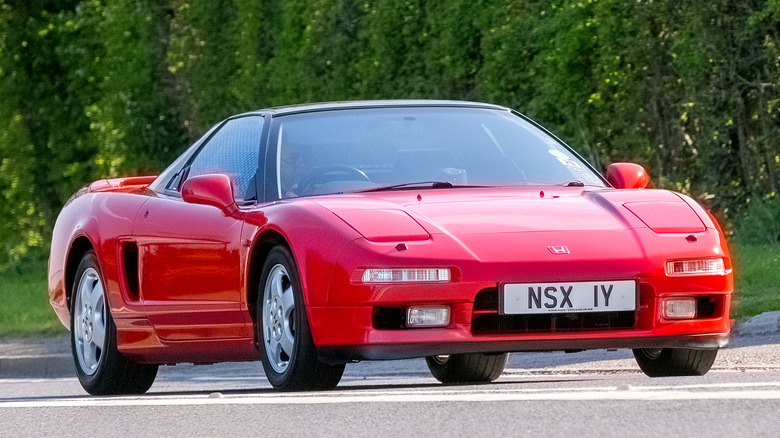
(595, 393)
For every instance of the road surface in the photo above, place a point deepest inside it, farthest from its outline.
(594, 393)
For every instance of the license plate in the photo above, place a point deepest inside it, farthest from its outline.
(583, 296)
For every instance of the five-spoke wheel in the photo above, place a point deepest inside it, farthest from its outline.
(89, 322)
(279, 318)
(100, 367)
(289, 356)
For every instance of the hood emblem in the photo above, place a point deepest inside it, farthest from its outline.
(558, 249)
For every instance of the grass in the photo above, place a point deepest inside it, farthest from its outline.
(757, 279)
(24, 306)
(25, 310)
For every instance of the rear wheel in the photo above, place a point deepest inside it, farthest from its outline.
(669, 362)
(101, 368)
(289, 356)
(467, 368)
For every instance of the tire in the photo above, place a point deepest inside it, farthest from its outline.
(100, 367)
(288, 353)
(467, 368)
(669, 362)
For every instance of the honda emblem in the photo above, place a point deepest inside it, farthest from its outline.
(558, 249)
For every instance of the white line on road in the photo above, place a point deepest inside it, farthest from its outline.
(623, 392)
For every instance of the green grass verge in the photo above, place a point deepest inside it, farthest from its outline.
(24, 306)
(25, 310)
(757, 279)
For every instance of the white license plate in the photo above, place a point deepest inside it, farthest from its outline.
(584, 296)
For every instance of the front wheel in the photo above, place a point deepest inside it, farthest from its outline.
(101, 368)
(467, 368)
(289, 356)
(670, 362)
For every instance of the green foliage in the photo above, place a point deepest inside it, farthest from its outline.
(591, 67)
(726, 55)
(203, 56)
(759, 222)
(43, 152)
(756, 279)
(101, 88)
(138, 114)
(509, 46)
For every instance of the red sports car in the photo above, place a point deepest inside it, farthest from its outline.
(313, 236)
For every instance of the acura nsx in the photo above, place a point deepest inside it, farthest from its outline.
(308, 237)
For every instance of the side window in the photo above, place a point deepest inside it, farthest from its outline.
(234, 151)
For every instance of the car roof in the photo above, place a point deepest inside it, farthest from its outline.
(357, 104)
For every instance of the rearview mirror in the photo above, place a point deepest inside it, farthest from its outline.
(211, 189)
(627, 176)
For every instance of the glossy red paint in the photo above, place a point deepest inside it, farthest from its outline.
(667, 217)
(616, 245)
(627, 176)
(193, 304)
(215, 190)
(181, 272)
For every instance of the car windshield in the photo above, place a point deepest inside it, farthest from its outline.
(352, 150)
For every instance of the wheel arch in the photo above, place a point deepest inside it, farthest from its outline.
(80, 246)
(264, 243)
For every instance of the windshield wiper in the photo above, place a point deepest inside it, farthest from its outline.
(573, 184)
(426, 184)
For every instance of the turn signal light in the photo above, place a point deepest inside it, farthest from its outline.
(406, 275)
(712, 266)
(427, 316)
(680, 308)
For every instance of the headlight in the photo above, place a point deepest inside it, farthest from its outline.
(414, 275)
(709, 266)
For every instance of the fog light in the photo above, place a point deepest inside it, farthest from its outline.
(381, 275)
(427, 316)
(676, 268)
(680, 308)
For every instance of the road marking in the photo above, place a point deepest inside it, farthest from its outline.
(622, 392)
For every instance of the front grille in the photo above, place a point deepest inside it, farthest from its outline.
(486, 319)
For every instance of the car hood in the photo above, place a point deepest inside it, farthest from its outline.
(531, 223)
(379, 216)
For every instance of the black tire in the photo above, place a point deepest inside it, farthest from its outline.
(669, 362)
(467, 368)
(288, 353)
(100, 367)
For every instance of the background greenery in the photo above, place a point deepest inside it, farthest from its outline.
(25, 309)
(757, 279)
(99, 88)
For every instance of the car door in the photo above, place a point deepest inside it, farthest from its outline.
(189, 255)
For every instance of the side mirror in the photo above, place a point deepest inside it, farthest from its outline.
(211, 189)
(627, 176)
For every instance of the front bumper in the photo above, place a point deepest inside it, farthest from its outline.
(410, 350)
(351, 333)
(346, 326)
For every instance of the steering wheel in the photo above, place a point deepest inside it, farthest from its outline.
(331, 172)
